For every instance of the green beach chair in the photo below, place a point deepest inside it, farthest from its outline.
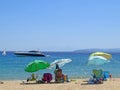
(98, 73)
(98, 76)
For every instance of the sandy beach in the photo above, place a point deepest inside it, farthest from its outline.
(78, 84)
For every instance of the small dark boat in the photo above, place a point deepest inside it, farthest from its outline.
(29, 53)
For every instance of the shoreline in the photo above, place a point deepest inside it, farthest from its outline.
(77, 84)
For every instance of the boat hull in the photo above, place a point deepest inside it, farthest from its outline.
(29, 54)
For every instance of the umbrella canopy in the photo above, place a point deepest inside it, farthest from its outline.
(105, 55)
(60, 62)
(97, 60)
(36, 65)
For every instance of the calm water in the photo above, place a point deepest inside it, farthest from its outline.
(12, 67)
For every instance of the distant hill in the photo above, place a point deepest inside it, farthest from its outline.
(115, 50)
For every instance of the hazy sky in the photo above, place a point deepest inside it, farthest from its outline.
(59, 25)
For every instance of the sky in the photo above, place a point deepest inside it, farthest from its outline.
(59, 25)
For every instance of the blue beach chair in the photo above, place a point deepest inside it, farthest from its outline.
(106, 75)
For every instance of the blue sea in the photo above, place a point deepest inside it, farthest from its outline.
(12, 67)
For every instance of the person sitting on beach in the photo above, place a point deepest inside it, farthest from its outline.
(59, 77)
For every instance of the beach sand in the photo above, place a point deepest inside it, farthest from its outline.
(78, 84)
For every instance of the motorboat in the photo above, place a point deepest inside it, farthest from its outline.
(29, 53)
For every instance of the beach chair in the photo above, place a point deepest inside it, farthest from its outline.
(106, 75)
(98, 76)
(98, 73)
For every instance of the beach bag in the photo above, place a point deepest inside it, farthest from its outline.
(47, 77)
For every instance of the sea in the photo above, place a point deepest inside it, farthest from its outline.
(12, 67)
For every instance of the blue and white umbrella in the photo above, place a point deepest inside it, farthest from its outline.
(60, 62)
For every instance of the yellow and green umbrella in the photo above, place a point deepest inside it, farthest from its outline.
(103, 54)
(37, 65)
(99, 58)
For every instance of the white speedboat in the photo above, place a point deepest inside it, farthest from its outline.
(29, 53)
